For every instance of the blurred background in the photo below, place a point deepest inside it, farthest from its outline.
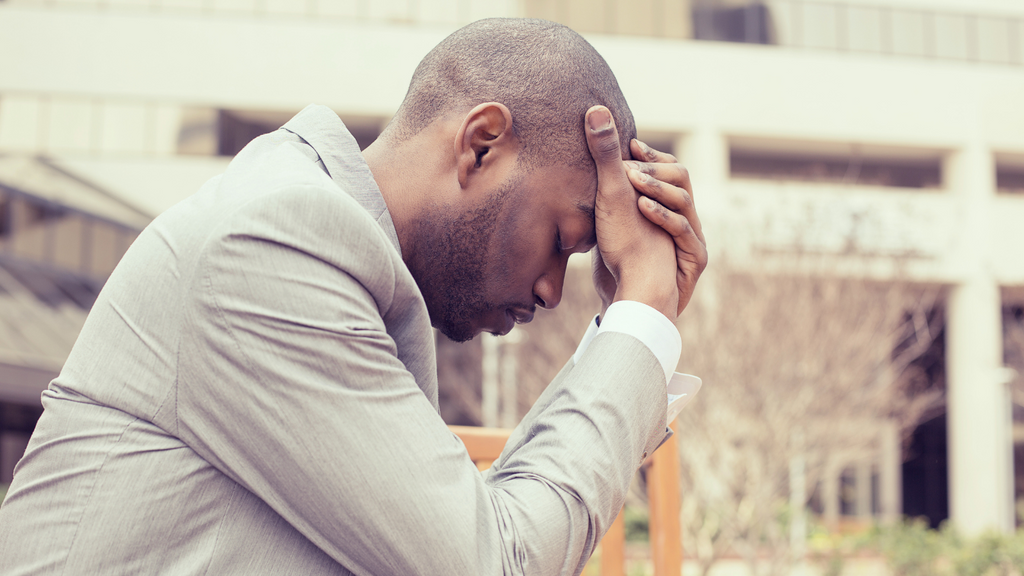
(858, 166)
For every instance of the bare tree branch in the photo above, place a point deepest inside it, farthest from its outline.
(805, 363)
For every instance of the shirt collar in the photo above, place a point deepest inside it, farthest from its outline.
(339, 154)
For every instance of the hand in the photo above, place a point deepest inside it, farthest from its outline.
(659, 177)
(604, 282)
(635, 250)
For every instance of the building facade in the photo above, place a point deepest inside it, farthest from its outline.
(891, 133)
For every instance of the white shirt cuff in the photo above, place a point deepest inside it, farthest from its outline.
(681, 389)
(645, 324)
(659, 335)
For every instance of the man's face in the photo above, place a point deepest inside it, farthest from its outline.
(491, 265)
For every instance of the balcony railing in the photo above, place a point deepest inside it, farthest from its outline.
(895, 31)
(806, 24)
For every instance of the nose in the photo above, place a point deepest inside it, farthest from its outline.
(547, 290)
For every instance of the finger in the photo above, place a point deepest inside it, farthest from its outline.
(679, 228)
(691, 254)
(672, 197)
(675, 174)
(645, 153)
(596, 262)
(604, 281)
(603, 141)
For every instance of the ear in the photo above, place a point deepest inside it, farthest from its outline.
(484, 139)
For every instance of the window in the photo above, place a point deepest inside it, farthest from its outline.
(835, 164)
(729, 22)
(1010, 176)
(6, 215)
(236, 128)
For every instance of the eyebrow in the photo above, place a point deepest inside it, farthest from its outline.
(588, 211)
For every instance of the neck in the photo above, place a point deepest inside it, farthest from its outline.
(410, 176)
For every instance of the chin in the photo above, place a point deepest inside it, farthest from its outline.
(457, 332)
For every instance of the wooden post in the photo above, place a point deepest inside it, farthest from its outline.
(485, 445)
(664, 504)
(613, 548)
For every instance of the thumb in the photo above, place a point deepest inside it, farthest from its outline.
(603, 140)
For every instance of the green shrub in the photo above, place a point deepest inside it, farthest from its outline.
(913, 549)
(636, 524)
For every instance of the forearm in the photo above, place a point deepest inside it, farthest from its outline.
(583, 440)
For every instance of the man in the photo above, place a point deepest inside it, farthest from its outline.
(255, 392)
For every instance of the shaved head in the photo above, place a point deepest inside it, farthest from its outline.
(547, 75)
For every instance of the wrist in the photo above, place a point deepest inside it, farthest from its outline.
(604, 308)
(663, 299)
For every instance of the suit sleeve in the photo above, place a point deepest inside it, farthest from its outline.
(289, 384)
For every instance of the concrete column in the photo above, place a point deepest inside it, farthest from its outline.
(21, 119)
(890, 474)
(979, 418)
(138, 128)
(862, 469)
(705, 153)
(163, 129)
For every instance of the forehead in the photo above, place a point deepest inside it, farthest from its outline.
(569, 185)
(560, 199)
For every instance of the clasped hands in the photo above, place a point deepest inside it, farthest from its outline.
(650, 247)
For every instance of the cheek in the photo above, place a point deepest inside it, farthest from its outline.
(522, 253)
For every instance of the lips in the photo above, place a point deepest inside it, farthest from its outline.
(509, 319)
(510, 322)
(515, 316)
(521, 316)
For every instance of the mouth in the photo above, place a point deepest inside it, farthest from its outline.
(513, 317)
(510, 322)
(521, 316)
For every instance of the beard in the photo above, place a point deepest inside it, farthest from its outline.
(452, 266)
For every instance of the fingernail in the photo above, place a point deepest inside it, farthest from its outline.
(599, 119)
(633, 165)
(638, 175)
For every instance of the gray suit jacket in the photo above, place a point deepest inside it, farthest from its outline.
(255, 392)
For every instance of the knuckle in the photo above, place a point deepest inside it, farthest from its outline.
(606, 148)
(687, 201)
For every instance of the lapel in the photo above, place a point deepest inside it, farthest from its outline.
(321, 128)
(340, 157)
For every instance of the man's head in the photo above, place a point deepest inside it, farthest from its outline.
(545, 73)
(487, 171)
